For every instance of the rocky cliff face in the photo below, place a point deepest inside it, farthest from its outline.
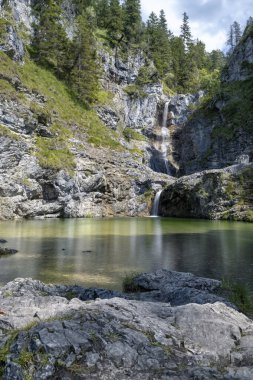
(52, 166)
(219, 132)
(82, 178)
(240, 65)
(213, 194)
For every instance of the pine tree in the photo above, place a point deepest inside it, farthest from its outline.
(50, 44)
(158, 42)
(84, 74)
(103, 13)
(115, 21)
(234, 36)
(178, 63)
(197, 54)
(186, 32)
(237, 32)
(132, 20)
(249, 21)
(216, 60)
(152, 32)
(163, 22)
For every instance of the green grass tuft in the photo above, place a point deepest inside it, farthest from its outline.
(128, 284)
(239, 294)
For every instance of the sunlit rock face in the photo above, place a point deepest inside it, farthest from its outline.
(212, 194)
(119, 338)
(240, 65)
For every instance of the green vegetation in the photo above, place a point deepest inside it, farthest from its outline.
(238, 110)
(4, 23)
(118, 24)
(5, 131)
(84, 72)
(52, 156)
(131, 134)
(72, 119)
(135, 91)
(239, 295)
(128, 283)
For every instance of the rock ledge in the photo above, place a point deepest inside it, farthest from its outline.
(74, 336)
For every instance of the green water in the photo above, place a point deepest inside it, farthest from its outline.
(56, 251)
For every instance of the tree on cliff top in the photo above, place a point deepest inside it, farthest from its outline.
(84, 74)
(50, 44)
(186, 31)
(132, 20)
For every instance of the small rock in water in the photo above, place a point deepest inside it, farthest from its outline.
(7, 251)
(3, 241)
(87, 251)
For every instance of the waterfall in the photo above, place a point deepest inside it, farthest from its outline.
(165, 114)
(156, 204)
(165, 137)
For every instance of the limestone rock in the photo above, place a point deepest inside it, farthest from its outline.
(213, 194)
(12, 45)
(121, 338)
(240, 65)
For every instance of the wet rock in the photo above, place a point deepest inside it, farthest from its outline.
(7, 251)
(3, 241)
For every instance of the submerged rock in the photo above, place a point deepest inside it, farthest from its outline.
(119, 338)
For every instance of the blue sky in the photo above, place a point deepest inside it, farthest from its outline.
(209, 19)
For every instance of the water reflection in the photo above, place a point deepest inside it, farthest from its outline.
(99, 252)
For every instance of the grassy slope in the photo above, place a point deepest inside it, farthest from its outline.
(68, 119)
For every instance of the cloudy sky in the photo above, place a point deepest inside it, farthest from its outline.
(209, 19)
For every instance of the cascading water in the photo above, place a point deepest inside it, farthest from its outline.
(164, 151)
(156, 204)
(165, 137)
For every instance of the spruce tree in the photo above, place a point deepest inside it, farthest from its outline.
(186, 32)
(115, 22)
(84, 74)
(103, 13)
(216, 60)
(50, 44)
(234, 36)
(249, 21)
(158, 42)
(178, 63)
(237, 32)
(132, 20)
(163, 22)
(153, 32)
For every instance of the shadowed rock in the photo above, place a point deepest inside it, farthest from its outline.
(7, 251)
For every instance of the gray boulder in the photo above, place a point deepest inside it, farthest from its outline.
(118, 338)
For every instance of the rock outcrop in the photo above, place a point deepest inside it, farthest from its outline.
(212, 194)
(60, 336)
(87, 180)
(240, 65)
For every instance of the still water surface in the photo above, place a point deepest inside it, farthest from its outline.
(99, 252)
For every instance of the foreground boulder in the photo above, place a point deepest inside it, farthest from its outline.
(120, 338)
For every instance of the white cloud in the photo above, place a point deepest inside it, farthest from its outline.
(209, 19)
